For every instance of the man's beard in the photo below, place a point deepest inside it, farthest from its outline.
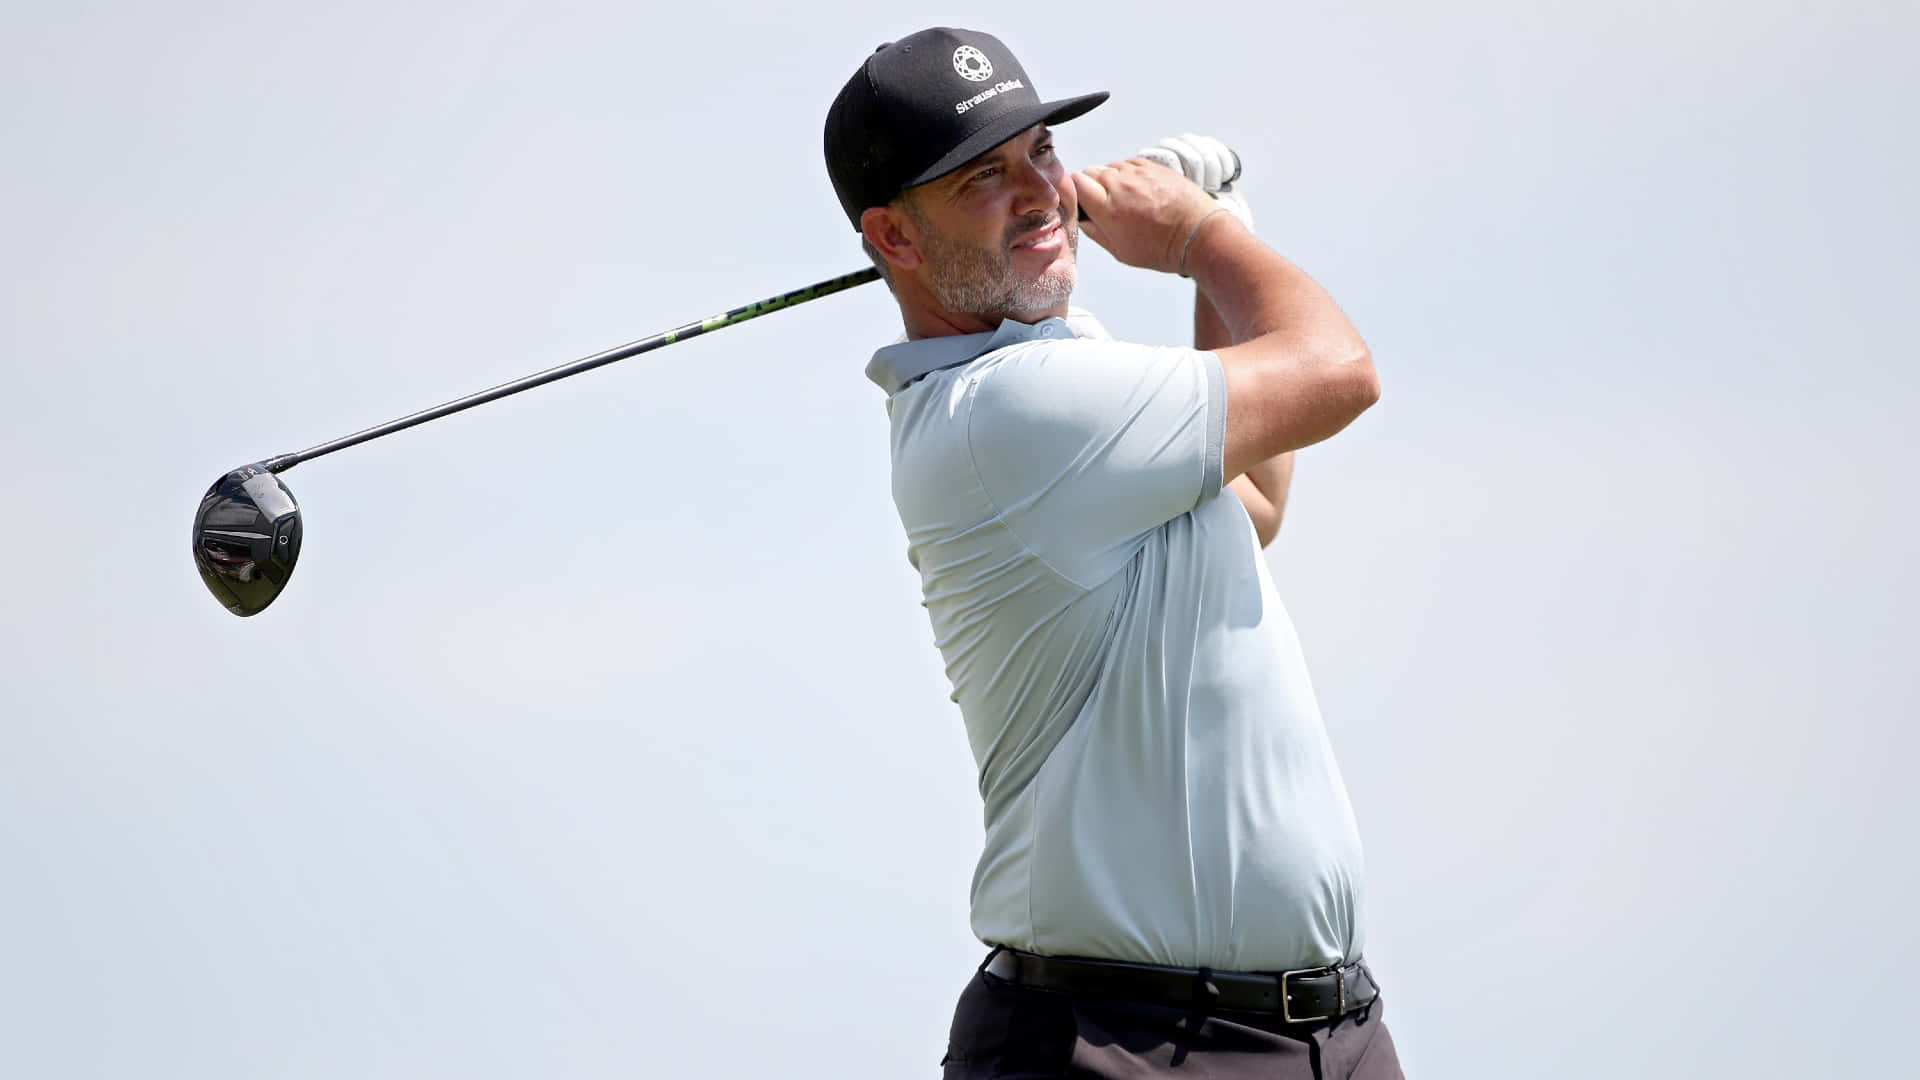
(981, 281)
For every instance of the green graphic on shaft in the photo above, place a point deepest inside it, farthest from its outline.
(798, 296)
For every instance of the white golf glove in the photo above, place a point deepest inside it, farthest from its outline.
(1208, 162)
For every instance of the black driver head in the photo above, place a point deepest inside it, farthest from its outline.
(246, 538)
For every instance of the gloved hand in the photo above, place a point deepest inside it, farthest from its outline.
(1208, 162)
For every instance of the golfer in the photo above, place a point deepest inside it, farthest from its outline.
(1172, 881)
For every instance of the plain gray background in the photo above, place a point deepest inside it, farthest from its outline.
(600, 731)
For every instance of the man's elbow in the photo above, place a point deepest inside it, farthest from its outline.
(1350, 387)
(1362, 382)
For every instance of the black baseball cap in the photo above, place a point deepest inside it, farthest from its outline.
(925, 105)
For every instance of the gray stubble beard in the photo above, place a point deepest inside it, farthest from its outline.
(981, 281)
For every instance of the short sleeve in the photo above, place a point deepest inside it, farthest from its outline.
(1085, 447)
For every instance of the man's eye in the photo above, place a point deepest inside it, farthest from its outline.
(1044, 150)
(985, 174)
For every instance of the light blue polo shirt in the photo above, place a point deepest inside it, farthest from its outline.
(1158, 782)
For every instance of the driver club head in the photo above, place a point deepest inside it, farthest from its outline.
(246, 538)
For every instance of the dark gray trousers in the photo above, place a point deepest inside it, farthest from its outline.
(1006, 1032)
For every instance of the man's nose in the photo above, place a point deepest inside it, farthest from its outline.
(1036, 193)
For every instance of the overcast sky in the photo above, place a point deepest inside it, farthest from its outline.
(601, 734)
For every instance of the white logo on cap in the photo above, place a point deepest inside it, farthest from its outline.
(972, 64)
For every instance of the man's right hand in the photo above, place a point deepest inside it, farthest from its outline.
(1208, 162)
(1142, 212)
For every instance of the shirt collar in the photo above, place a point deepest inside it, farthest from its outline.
(895, 366)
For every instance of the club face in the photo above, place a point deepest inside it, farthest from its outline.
(246, 538)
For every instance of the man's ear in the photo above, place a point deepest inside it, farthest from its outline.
(886, 228)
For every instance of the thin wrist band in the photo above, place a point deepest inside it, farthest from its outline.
(1188, 246)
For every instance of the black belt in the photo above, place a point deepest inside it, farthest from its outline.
(1309, 995)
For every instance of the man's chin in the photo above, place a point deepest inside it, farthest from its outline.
(1055, 286)
(1023, 288)
(1049, 282)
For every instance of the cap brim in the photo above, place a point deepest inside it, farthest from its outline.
(1002, 128)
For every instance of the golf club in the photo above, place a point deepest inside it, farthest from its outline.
(246, 534)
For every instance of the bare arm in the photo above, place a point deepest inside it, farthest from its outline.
(1263, 487)
(1300, 372)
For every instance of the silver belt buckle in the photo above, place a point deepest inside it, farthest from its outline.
(1340, 1008)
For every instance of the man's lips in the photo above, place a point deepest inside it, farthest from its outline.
(1044, 239)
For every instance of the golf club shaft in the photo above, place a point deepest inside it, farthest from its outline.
(693, 329)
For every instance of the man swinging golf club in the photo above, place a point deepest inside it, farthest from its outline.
(1172, 880)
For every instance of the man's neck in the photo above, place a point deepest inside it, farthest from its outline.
(924, 324)
(930, 320)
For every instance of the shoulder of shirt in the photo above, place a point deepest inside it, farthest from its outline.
(905, 362)
(1084, 325)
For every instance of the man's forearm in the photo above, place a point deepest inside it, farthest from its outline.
(1263, 491)
(1209, 329)
(1263, 487)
